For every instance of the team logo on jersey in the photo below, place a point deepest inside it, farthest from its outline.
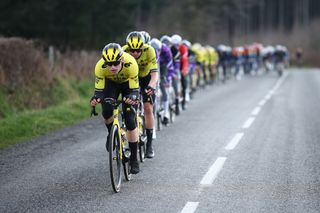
(127, 64)
(98, 79)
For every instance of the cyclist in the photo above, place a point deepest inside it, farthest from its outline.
(174, 47)
(148, 77)
(166, 68)
(199, 70)
(117, 72)
(192, 66)
(184, 66)
(299, 56)
(280, 56)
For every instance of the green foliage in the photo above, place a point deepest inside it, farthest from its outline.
(73, 107)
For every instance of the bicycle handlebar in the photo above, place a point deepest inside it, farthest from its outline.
(113, 102)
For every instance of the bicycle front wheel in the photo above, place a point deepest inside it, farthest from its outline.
(142, 139)
(114, 158)
(158, 121)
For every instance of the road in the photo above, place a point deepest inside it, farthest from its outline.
(244, 146)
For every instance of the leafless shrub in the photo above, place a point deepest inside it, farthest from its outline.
(28, 79)
(79, 65)
(22, 64)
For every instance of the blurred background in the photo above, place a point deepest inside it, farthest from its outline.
(90, 24)
(48, 49)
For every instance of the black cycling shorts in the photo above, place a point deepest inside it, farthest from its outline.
(144, 82)
(113, 90)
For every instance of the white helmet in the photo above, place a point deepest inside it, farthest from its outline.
(166, 39)
(176, 39)
(156, 43)
(187, 43)
(146, 36)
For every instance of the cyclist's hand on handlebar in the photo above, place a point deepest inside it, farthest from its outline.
(94, 101)
(150, 90)
(131, 99)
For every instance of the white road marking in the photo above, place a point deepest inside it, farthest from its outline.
(213, 171)
(271, 92)
(234, 142)
(256, 111)
(262, 102)
(267, 97)
(190, 207)
(248, 123)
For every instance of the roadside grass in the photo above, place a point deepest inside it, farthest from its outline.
(18, 127)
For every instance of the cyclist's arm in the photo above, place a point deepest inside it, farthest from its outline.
(153, 68)
(99, 79)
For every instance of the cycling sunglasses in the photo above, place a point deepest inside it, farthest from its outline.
(135, 50)
(114, 63)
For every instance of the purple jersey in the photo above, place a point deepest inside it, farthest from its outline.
(166, 61)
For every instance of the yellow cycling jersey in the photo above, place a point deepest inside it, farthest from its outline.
(128, 72)
(200, 54)
(212, 56)
(147, 61)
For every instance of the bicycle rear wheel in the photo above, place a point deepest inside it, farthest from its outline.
(114, 158)
(126, 170)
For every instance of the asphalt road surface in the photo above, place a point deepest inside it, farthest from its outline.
(243, 146)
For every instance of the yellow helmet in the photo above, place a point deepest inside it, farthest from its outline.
(135, 40)
(112, 52)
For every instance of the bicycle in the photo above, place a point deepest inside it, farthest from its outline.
(117, 146)
(142, 132)
(119, 152)
(158, 110)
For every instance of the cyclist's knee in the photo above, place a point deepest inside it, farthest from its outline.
(108, 120)
(130, 119)
(148, 108)
(107, 114)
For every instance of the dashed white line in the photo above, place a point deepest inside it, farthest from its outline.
(213, 171)
(262, 102)
(267, 97)
(234, 142)
(248, 123)
(190, 207)
(256, 111)
(271, 92)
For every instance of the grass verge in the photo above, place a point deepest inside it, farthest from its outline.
(22, 126)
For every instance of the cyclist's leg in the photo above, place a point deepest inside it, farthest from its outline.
(165, 101)
(164, 98)
(132, 131)
(111, 90)
(176, 88)
(148, 114)
(184, 90)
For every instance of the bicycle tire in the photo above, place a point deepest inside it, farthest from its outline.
(159, 127)
(172, 115)
(126, 170)
(142, 141)
(114, 159)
